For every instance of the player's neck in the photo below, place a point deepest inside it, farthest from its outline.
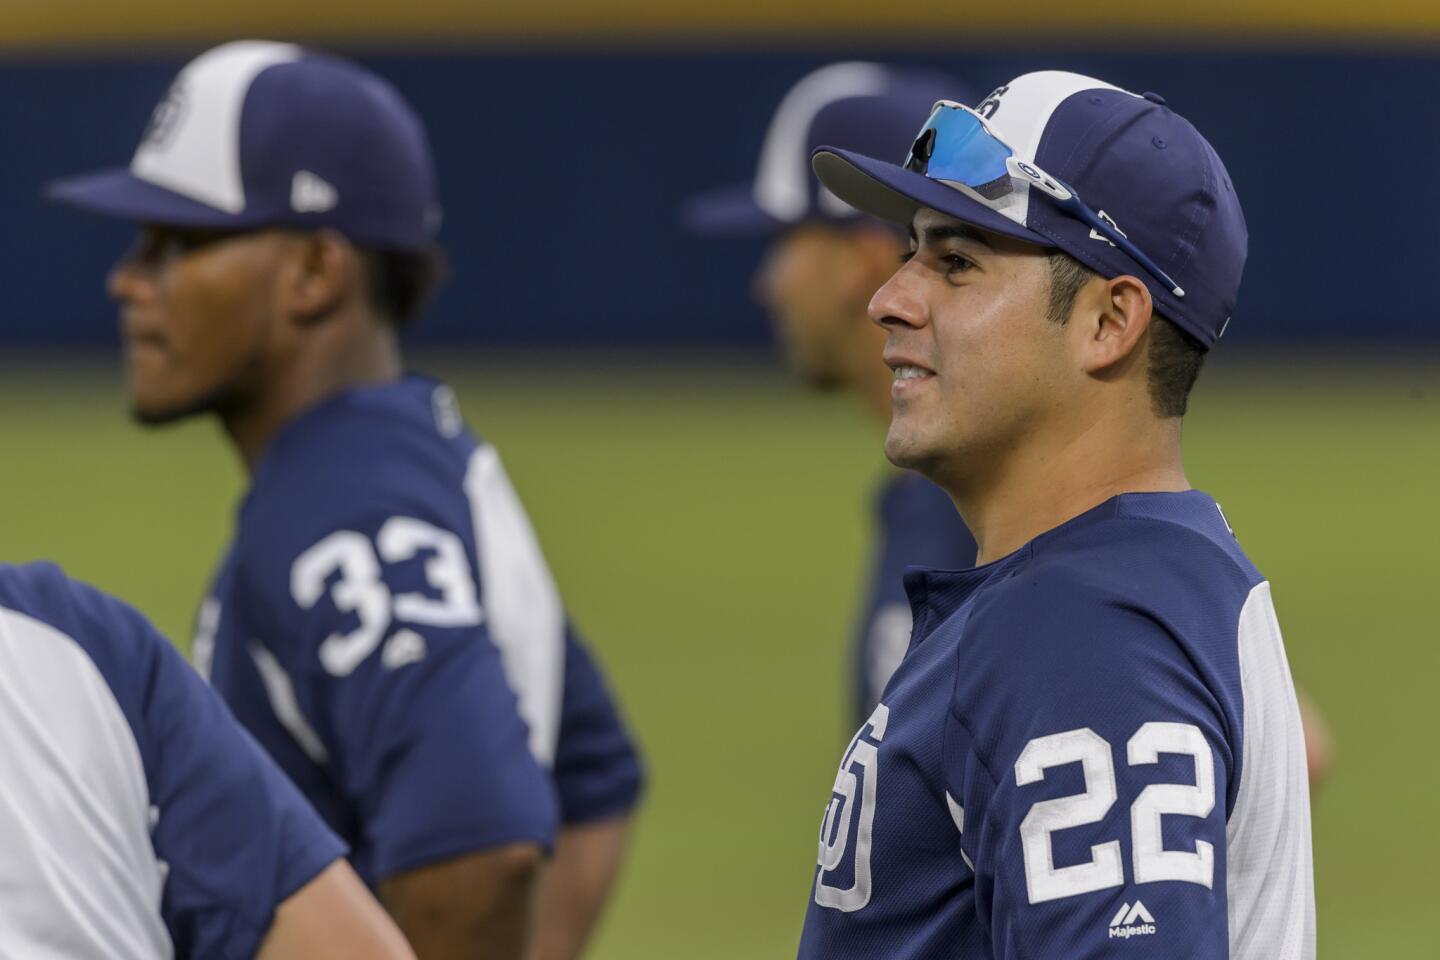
(357, 352)
(1042, 485)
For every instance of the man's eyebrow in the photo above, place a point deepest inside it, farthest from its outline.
(955, 231)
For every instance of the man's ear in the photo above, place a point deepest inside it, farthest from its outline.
(324, 269)
(1109, 324)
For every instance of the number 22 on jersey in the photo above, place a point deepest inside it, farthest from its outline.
(1151, 862)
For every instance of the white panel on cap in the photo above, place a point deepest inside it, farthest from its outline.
(782, 183)
(1023, 110)
(193, 144)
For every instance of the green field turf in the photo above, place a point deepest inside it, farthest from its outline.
(706, 523)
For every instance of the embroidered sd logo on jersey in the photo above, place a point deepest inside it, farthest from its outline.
(846, 829)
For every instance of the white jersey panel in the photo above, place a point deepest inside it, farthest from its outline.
(79, 875)
(521, 602)
(1271, 878)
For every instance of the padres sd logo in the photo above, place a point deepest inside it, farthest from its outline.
(843, 882)
(991, 104)
(166, 117)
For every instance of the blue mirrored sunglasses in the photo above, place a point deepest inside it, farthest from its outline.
(957, 145)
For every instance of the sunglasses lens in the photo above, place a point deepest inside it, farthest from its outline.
(955, 146)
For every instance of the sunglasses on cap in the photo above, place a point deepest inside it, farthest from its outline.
(957, 146)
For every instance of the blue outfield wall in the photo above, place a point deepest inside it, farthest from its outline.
(562, 175)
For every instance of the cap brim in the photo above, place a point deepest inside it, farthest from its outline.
(120, 194)
(729, 212)
(890, 192)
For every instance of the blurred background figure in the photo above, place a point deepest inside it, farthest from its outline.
(384, 623)
(824, 261)
(704, 517)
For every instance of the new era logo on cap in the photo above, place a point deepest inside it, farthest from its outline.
(311, 194)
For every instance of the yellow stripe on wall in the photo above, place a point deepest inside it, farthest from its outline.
(111, 23)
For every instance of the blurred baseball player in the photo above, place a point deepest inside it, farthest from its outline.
(139, 820)
(384, 622)
(1093, 747)
(825, 260)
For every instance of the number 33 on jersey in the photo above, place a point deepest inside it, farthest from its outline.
(1092, 749)
(386, 626)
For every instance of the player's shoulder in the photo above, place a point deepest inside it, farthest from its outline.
(1130, 614)
(101, 624)
(46, 616)
(1146, 553)
(1141, 586)
(368, 454)
(370, 437)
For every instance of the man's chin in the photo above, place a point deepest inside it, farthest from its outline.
(151, 413)
(904, 451)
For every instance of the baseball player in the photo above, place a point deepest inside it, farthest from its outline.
(1093, 746)
(139, 820)
(384, 622)
(824, 261)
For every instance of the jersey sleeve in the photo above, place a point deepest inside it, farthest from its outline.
(598, 773)
(235, 836)
(377, 657)
(1088, 766)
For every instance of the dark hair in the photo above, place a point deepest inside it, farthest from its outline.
(400, 284)
(1175, 356)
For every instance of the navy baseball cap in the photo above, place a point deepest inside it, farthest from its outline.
(1117, 180)
(256, 134)
(866, 107)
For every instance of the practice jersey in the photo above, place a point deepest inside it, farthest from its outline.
(385, 625)
(138, 819)
(918, 527)
(1092, 749)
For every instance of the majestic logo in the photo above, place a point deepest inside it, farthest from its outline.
(165, 118)
(1097, 235)
(846, 830)
(1132, 922)
(311, 194)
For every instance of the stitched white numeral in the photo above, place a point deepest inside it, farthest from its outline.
(1152, 861)
(1106, 868)
(447, 571)
(359, 589)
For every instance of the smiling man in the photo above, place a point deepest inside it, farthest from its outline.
(384, 622)
(1093, 747)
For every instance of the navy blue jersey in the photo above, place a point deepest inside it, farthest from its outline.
(138, 819)
(918, 527)
(1091, 749)
(385, 625)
